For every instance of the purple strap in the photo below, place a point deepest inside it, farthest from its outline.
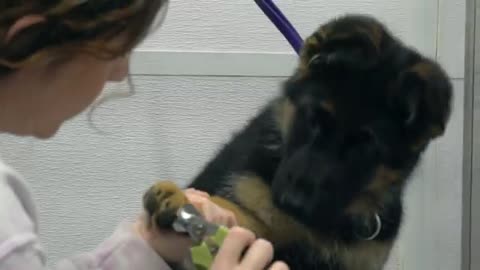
(282, 23)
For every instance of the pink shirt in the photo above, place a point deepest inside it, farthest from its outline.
(20, 248)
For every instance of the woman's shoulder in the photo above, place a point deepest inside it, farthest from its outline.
(14, 187)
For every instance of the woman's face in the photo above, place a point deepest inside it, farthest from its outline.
(40, 98)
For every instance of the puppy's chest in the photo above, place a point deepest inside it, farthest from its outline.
(300, 244)
(305, 256)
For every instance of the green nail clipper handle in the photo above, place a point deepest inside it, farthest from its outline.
(204, 253)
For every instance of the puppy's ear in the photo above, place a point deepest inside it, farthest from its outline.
(422, 97)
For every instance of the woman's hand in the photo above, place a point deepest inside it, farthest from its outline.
(210, 211)
(258, 256)
(174, 247)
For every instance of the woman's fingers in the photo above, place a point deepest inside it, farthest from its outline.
(235, 243)
(260, 254)
(210, 211)
(196, 192)
(231, 220)
(279, 266)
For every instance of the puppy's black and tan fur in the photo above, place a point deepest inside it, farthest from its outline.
(336, 148)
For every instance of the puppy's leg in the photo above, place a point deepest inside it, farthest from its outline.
(163, 200)
(244, 218)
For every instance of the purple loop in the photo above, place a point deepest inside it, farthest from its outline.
(282, 23)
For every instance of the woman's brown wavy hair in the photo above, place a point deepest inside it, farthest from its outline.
(73, 26)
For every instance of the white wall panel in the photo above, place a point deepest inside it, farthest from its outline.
(451, 36)
(233, 26)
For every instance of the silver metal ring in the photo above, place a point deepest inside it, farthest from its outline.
(378, 228)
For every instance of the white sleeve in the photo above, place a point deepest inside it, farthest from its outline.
(20, 248)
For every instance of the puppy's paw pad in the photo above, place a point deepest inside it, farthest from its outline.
(161, 202)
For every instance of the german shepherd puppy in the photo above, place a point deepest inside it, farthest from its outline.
(321, 170)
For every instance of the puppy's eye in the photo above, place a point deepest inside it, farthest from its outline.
(363, 136)
(317, 116)
(315, 59)
(320, 59)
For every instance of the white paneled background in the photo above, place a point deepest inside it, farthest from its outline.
(209, 69)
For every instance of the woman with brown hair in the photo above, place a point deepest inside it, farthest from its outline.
(55, 58)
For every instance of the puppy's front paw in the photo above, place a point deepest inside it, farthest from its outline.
(161, 202)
